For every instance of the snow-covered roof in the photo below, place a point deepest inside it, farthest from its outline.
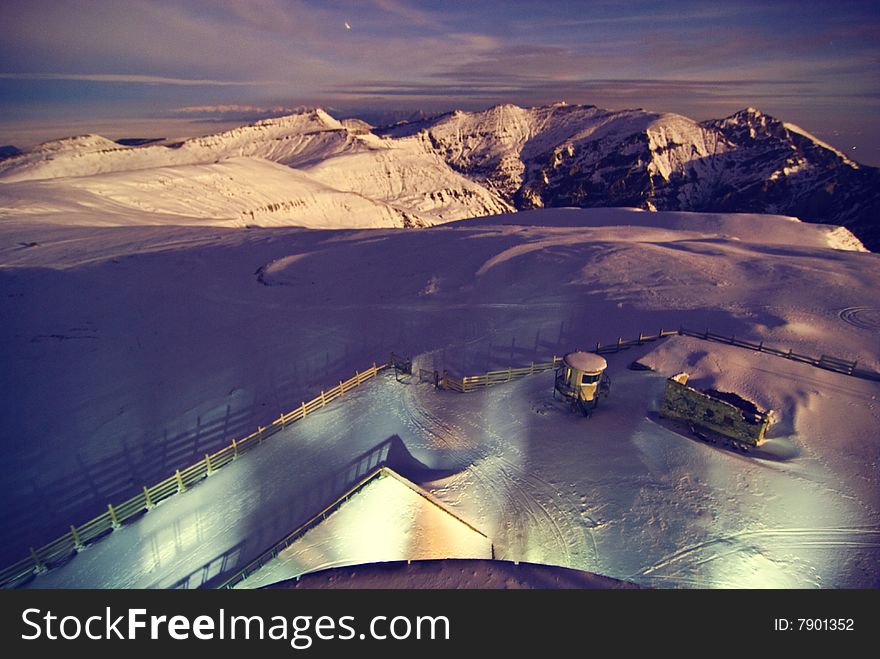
(585, 361)
(386, 518)
(453, 573)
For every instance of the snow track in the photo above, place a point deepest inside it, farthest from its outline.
(828, 537)
(861, 317)
(528, 506)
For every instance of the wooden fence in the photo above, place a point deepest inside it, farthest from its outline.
(61, 549)
(827, 362)
(473, 382)
(468, 383)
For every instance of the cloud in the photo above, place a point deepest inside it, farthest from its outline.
(526, 86)
(407, 12)
(235, 111)
(133, 79)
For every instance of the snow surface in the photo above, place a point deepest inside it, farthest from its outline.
(618, 495)
(133, 350)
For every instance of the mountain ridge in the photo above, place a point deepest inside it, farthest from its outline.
(461, 164)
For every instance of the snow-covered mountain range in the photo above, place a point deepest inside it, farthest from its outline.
(310, 169)
(584, 156)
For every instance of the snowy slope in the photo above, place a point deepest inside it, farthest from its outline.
(358, 180)
(500, 146)
(406, 177)
(289, 140)
(583, 156)
(153, 345)
(236, 192)
(467, 164)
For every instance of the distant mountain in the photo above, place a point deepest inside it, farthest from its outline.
(337, 175)
(584, 156)
(463, 164)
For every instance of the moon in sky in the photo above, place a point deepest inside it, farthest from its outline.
(347, 26)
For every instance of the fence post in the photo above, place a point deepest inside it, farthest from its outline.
(39, 566)
(357, 378)
(640, 338)
(260, 434)
(234, 449)
(77, 541)
(323, 400)
(531, 368)
(304, 412)
(148, 500)
(208, 464)
(732, 339)
(853, 367)
(598, 346)
(509, 375)
(761, 346)
(113, 518)
(660, 335)
(619, 341)
(341, 391)
(281, 419)
(181, 487)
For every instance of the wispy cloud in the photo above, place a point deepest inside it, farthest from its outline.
(408, 12)
(232, 107)
(134, 79)
(234, 112)
(525, 87)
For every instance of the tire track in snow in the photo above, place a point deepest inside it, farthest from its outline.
(519, 487)
(452, 438)
(861, 317)
(799, 535)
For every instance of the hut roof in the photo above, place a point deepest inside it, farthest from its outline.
(585, 361)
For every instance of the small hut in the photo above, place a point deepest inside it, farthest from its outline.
(581, 379)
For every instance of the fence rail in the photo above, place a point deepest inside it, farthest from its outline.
(62, 549)
(827, 362)
(468, 383)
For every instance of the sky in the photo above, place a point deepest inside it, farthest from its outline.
(142, 66)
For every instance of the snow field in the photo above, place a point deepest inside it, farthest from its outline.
(131, 351)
